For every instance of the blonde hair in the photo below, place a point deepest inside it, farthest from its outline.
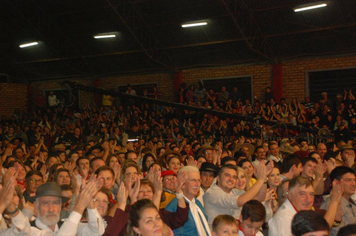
(239, 169)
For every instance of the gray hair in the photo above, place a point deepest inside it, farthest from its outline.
(189, 169)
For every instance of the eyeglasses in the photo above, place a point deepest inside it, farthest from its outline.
(168, 179)
(101, 201)
(40, 181)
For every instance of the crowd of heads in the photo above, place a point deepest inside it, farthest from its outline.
(140, 151)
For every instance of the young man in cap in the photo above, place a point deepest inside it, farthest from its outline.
(48, 202)
(207, 174)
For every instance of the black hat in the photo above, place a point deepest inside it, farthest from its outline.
(51, 189)
(208, 167)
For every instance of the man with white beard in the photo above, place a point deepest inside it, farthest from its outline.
(48, 202)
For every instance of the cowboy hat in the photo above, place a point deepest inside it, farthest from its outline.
(51, 189)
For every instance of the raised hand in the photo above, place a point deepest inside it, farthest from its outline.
(121, 196)
(7, 193)
(12, 172)
(337, 191)
(117, 170)
(269, 167)
(182, 177)
(350, 159)
(192, 162)
(330, 165)
(319, 170)
(133, 192)
(270, 194)
(260, 171)
(88, 193)
(105, 145)
(43, 169)
(157, 182)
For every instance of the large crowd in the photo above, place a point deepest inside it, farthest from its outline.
(129, 168)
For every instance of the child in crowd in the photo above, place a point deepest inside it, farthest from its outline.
(252, 217)
(225, 225)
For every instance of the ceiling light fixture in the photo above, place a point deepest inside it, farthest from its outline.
(28, 44)
(194, 24)
(104, 36)
(310, 6)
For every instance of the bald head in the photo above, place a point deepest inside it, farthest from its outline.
(321, 149)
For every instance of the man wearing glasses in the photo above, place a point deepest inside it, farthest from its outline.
(169, 179)
(197, 222)
(33, 179)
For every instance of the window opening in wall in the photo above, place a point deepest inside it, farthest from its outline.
(139, 88)
(333, 82)
(244, 84)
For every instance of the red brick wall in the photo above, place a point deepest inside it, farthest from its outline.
(294, 73)
(12, 96)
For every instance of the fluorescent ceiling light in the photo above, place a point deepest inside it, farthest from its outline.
(307, 7)
(28, 45)
(104, 36)
(194, 24)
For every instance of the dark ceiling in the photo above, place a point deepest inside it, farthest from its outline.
(151, 39)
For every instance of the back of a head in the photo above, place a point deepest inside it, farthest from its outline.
(348, 230)
(253, 210)
(308, 222)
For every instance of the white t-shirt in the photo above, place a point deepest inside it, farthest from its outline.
(52, 100)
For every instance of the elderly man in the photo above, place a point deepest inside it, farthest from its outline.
(48, 202)
(223, 198)
(300, 196)
(197, 221)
